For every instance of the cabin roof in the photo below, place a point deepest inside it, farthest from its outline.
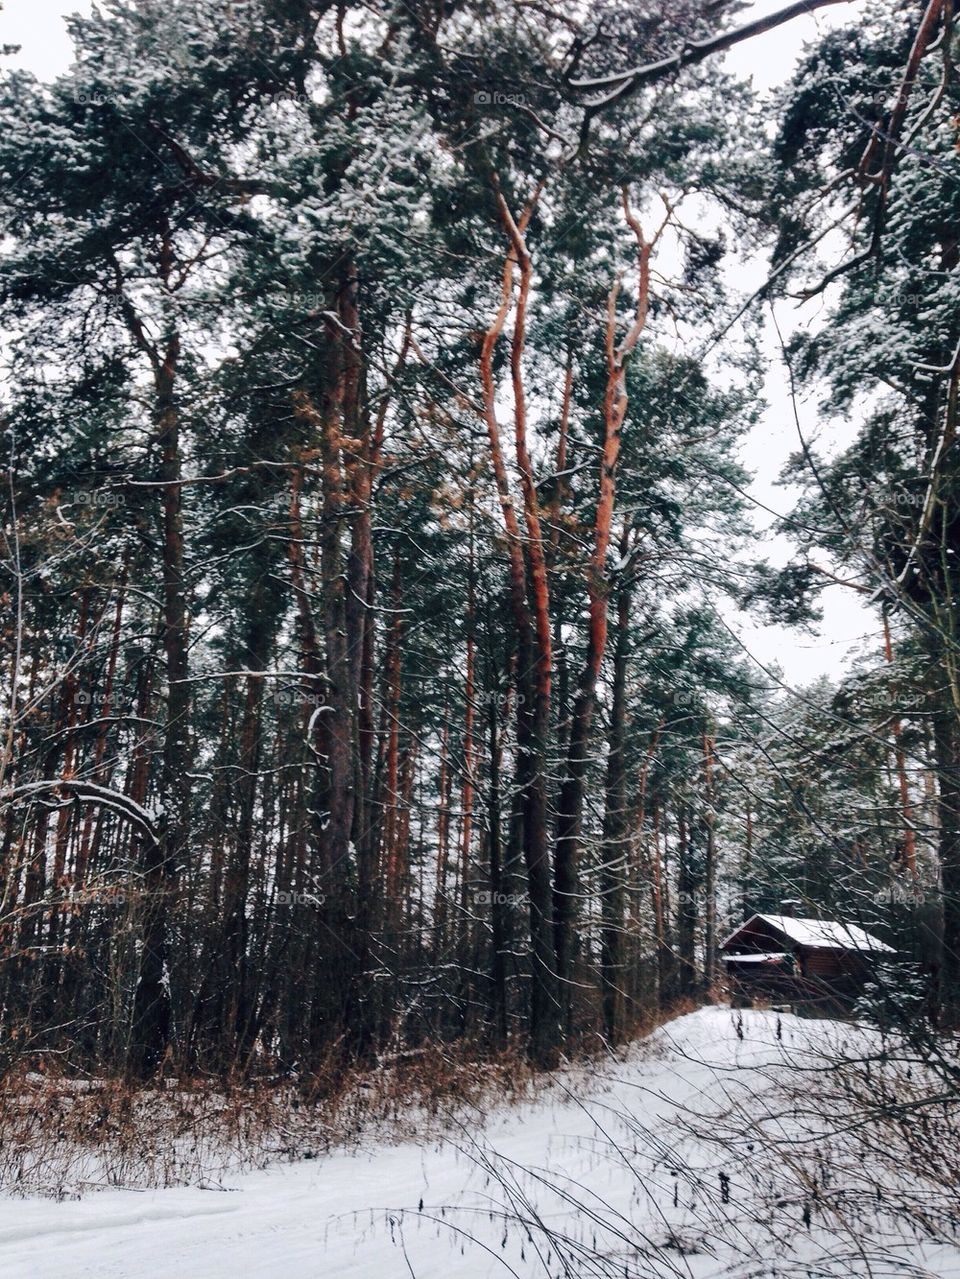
(769, 957)
(821, 934)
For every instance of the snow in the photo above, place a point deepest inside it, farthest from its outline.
(82, 789)
(828, 934)
(615, 1138)
(772, 957)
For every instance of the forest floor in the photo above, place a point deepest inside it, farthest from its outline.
(628, 1169)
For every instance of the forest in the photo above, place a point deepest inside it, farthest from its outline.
(378, 526)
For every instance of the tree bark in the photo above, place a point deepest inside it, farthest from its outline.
(567, 856)
(151, 1030)
(533, 694)
(686, 909)
(615, 833)
(710, 869)
(947, 746)
(908, 848)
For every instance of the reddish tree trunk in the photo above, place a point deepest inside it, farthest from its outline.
(567, 856)
(532, 695)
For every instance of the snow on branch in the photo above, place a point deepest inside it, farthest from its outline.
(89, 793)
(621, 84)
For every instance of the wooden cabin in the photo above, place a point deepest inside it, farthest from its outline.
(821, 964)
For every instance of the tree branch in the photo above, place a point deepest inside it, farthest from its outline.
(65, 789)
(621, 84)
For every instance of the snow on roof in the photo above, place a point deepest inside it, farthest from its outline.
(768, 958)
(825, 934)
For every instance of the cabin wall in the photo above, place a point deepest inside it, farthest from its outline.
(826, 982)
(832, 965)
(824, 964)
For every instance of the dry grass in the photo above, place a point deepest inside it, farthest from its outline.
(61, 1137)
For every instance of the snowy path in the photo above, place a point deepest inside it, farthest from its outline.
(358, 1216)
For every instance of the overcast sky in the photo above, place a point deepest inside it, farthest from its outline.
(847, 627)
(38, 26)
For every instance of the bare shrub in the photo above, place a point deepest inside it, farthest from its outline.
(804, 1149)
(62, 1136)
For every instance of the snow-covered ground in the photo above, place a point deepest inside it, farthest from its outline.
(604, 1164)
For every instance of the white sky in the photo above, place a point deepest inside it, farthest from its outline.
(769, 60)
(38, 26)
